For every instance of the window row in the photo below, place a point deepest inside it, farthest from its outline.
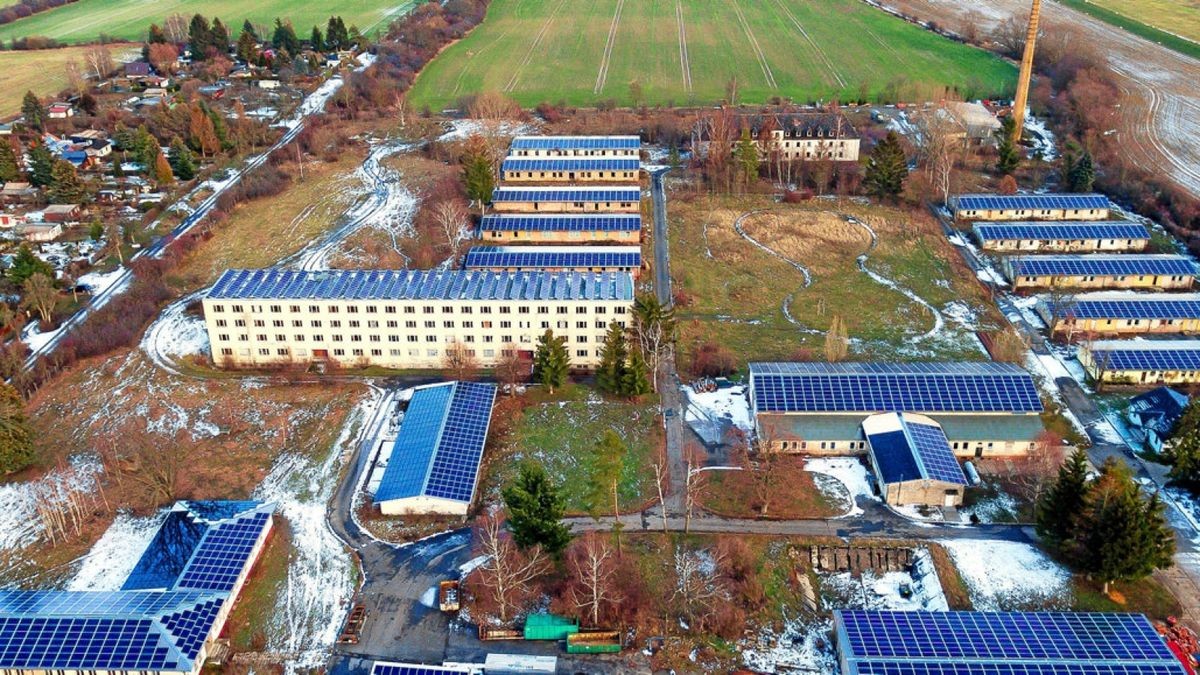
(412, 309)
(465, 325)
(411, 353)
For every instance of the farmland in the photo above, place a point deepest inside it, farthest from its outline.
(1177, 17)
(686, 51)
(42, 71)
(128, 19)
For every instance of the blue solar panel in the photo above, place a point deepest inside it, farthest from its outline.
(1061, 232)
(561, 223)
(573, 194)
(934, 454)
(906, 450)
(878, 667)
(989, 202)
(415, 443)
(570, 164)
(1130, 306)
(884, 387)
(222, 554)
(627, 143)
(577, 258)
(168, 552)
(1153, 356)
(1102, 265)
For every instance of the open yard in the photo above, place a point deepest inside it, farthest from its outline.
(42, 71)
(766, 280)
(128, 19)
(686, 51)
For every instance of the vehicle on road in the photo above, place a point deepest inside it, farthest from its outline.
(448, 596)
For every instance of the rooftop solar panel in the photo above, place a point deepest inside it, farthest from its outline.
(606, 194)
(1149, 355)
(562, 223)
(883, 667)
(222, 555)
(570, 164)
(532, 257)
(1102, 265)
(577, 143)
(884, 387)
(907, 449)
(1061, 232)
(1129, 306)
(993, 202)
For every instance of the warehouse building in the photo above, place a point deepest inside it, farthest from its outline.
(171, 609)
(1139, 362)
(1098, 270)
(433, 465)
(627, 259)
(1030, 207)
(407, 318)
(562, 199)
(570, 170)
(571, 228)
(912, 461)
(1121, 313)
(873, 642)
(1119, 236)
(576, 146)
(985, 409)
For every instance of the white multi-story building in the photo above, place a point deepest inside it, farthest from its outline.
(408, 318)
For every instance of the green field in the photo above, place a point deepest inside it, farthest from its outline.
(128, 19)
(1175, 24)
(685, 51)
(42, 71)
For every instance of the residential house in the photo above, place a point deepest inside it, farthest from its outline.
(11, 220)
(794, 136)
(62, 213)
(267, 84)
(16, 191)
(1152, 416)
(39, 232)
(60, 111)
(137, 70)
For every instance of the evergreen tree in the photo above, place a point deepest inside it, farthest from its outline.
(219, 37)
(65, 186)
(25, 264)
(247, 44)
(635, 381)
(16, 434)
(315, 41)
(611, 372)
(887, 168)
(745, 156)
(285, 38)
(183, 163)
(551, 363)
(1060, 507)
(123, 137)
(199, 37)
(1082, 174)
(96, 230)
(145, 148)
(249, 29)
(32, 111)
(1008, 155)
(606, 466)
(41, 165)
(10, 168)
(353, 36)
(1183, 452)
(1126, 537)
(535, 508)
(477, 173)
(220, 129)
(336, 37)
(156, 36)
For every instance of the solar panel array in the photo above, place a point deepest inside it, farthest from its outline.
(580, 257)
(440, 444)
(222, 554)
(1102, 265)
(877, 387)
(1146, 355)
(568, 194)
(934, 454)
(617, 222)
(1131, 306)
(569, 164)
(190, 627)
(991, 668)
(91, 644)
(992, 202)
(1055, 232)
(284, 284)
(577, 143)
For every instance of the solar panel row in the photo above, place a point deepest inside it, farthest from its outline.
(1102, 265)
(221, 557)
(1132, 355)
(992, 202)
(488, 257)
(1130, 307)
(885, 368)
(572, 194)
(631, 143)
(932, 450)
(570, 164)
(879, 393)
(1049, 232)
(561, 223)
(879, 667)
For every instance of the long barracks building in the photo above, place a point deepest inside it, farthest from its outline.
(1086, 237)
(406, 318)
(1100, 271)
(566, 228)
(570, 170)
(576, 146)
(1122, 313)
(563, 199)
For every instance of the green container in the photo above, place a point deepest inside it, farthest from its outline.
(592, 648)
(549, 627)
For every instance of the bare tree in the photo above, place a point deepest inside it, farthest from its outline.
(508, 570)
(460, 360)
(151, 461)
(75, 79)
(698, 589)
(1009, 346)
(176, 29)
(939, 142)
(99, 61)
(693, 486)
(766, 474)
(112, 236)
(592, 562)
(492, 105)
(40, 295)
(452, 217)
(660, 482)
(837, 340)
(1032, 474)
(511, 369)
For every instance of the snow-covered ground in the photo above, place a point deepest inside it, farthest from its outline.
(1001, 507)
(1002, 575)
(1043, 139)
(113, 556)
(176, 333)
(99, 282)
(710, 414)
(850, 473)
(19, 523)
(888, 590)
(458, 130)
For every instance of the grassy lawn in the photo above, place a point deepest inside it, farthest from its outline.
(259, 599)
(738, 292)
(794, 494)
(128, 19)
(1146, 596)
(561, 431)
(1175, 24)
(560, 50)
(42, 71)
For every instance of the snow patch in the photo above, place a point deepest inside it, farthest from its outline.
(99, 282)
(114, 555)
(1003, 575)
(711, 413)
(850, 473)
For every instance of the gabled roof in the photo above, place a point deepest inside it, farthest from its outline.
(909, 447)
(1159, 408)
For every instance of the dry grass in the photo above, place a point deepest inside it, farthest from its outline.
(42, 71)
(794, 495)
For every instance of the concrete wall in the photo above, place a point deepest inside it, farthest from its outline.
(422, 505)
(923, 493)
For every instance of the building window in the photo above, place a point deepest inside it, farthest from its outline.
(581, 353)
(371, 309)
(218, 308)
(351, 309)
(220, 323)
(226, 351)
(339, 352)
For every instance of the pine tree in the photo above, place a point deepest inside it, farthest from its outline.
(745, 156)
(315, 41)
(611, 371)
(607, 464)
(477, 173)
(1008, 156)
(551, 362)
(65, 186)
(183, 163)
(41, 165)
(336, 37)
(635, 381)
(219, 37)
(1126, 538)
(145, 148)
(199, 37)
(25, 264)
(1183, 452)
(535, 509)
(156, 36)
(1060, 507)
(285, 38)
(10, 169)
(249, 29)
(31, 110)
(162, 169)
(247, 44)
(887, 168)
(16, 434)
(1082, 174)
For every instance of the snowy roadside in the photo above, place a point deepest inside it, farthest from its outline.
(850, 474)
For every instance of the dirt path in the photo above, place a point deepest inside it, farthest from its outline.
(753, 41)
(602, 75)
(685, 63)
(1159, 120)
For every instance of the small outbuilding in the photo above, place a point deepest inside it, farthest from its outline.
(1153, 415)
(912, 461)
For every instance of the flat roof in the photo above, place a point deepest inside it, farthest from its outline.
(570, 164)
(1102, 265)
(576, 143)
(285, 284)
(1051, 231)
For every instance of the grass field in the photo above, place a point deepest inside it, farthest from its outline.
(128, 19)
(685, 51)
(43, 71)
(1172, 23)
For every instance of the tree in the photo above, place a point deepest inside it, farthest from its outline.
(284, 38)
(247, 45)
(176, 29)
(96, 230)
(99, 61)
(1183, 452)
(837, 341)
(249, 29)
(336, 36)
(41, 165)
(1127, 538)
(452, 218)
(1008, 156)
(731, 90)
(745, 156)
(25, 264)
(40, 295)
(202, 133)
(551, 362)
(460, 361)
(182, 161)
(1060, 507)
(1081, 174)
(31, 110)
(511, 369)
(162, 169)
(635, 381)
(65, 184)
(611, 371)
(535, 509)
(75, 77)
(654, 332)
(112, 234)
(1007, 186)
(155, 35)
(887, 168)
(162, 57)
(593, 568)
(939, 145)
(606, 465)
(478, 174)
(10, 168)
(16, 434)
(199, 37)
(219, 37)
(636, 95)
(315, 40)
(507, 570)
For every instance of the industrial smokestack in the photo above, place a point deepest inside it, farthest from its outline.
(1022, 97)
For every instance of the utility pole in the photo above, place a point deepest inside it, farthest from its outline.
(1022, 97)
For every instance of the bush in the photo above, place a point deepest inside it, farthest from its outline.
(712, 360)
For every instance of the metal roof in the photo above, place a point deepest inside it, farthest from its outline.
(1126, 305)
(907, 448)
(1102, 265)
(284, 284)
(994, 202)
(614, 222)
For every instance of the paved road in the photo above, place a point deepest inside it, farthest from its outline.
(662, 257)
